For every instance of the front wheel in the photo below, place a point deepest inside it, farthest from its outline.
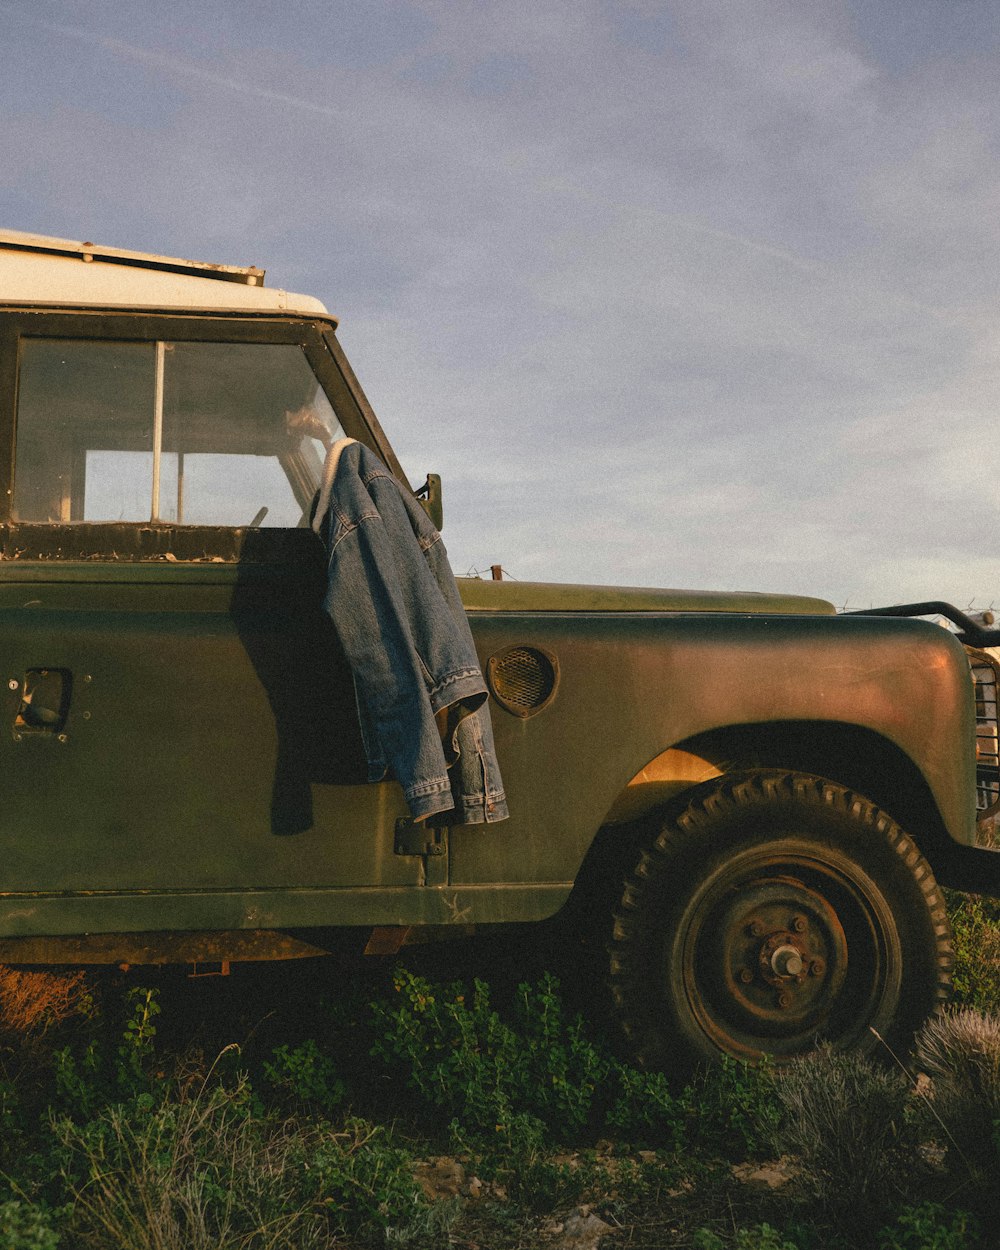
(775, 912)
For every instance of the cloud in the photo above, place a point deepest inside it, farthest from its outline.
(667, 292)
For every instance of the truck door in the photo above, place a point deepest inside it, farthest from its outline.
(179, 718)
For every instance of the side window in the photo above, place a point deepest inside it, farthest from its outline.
(188, 433)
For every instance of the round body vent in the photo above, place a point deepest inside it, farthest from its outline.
(523, 679)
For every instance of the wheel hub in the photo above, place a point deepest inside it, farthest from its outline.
(782, 954)
(787, 960)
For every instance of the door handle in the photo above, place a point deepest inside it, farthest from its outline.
(45, 695)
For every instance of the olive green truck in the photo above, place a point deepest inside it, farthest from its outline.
(758, 795)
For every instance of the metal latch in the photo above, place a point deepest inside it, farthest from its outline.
(415, 838)
(45, 695)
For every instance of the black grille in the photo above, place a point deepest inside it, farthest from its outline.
(987, 744)
(523, 679)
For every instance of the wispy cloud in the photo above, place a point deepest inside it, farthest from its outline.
(172, 66)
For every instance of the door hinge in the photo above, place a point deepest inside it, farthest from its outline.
(415, 838)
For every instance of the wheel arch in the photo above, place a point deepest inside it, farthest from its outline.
(855, 757)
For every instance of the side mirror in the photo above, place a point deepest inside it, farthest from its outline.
(430, 498)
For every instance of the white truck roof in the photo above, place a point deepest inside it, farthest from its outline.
(38, 269)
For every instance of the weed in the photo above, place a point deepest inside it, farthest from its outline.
(561, 1071)
(25, 1226)
(759, 1237)
(80, 1084)
(428, 1224)
(975, 922)
(306, 1075)
(363, 1181)
(195, 1175)
(930, 1227)
(90, 1077)
(135, 1050)
(541, 1184)
(459, 1057)
(647, 1109)
(731, 1107)
(734, 1109)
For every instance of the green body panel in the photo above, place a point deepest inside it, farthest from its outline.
(511, 596)
(209, 773)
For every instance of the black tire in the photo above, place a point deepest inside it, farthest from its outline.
(775, 912)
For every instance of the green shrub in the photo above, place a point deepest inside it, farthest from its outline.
(24, 1226)
(975, 921)
(930, 1227)
(459, 1058)
(734, 1109)
(536, 1076)
(94, 1072)
(362, 1182)
(759, 1237)
(729, 1108)
(561, 1073)
(135, 1051)
(304, 1074)
(647, 1109)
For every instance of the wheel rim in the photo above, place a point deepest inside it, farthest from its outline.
(781, 949)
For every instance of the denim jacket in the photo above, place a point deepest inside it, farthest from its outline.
(393, 600)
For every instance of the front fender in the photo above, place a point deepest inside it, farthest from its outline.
(634, 685)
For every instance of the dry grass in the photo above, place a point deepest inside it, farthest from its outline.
(199, 1174)
(34, 1000)
(960, 1051)
(845, 1121)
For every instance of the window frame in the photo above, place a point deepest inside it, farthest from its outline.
(147, 540)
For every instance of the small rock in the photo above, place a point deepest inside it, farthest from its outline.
(439, 1178)
(774, 1175)
(934, 1155)
(582, 1231)
(923, 1086)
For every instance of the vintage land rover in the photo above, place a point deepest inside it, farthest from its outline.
(725, 779)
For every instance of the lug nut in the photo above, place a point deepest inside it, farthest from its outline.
(799, 924)
(746, 976)
(756, 929)
(784, 999)
(817, 968)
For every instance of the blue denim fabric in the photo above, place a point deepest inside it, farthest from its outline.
(393, 600)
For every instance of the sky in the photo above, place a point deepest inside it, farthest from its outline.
(688, 293)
